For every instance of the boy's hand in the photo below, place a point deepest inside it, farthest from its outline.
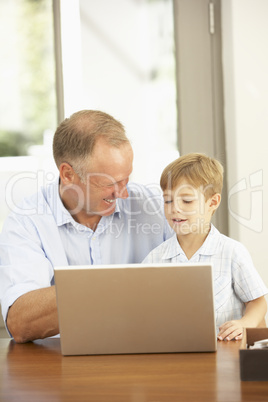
(254, 316)
(231, 330)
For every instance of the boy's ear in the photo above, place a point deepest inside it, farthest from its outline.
(215, 201)
(67, 173)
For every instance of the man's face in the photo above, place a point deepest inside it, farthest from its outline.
(104, 180)
(186, 209)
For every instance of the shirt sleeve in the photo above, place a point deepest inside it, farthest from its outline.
(247, 282)
(23, 264)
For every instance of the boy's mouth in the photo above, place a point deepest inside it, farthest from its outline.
(179, 220)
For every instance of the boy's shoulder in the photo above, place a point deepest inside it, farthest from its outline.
(231, 247)
(229, 240)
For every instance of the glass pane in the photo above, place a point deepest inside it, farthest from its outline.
(27, 75)
(128, 66)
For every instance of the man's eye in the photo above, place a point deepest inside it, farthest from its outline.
(108, 185)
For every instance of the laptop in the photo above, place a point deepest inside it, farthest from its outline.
(135, 308)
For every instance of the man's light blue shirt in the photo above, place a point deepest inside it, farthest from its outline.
(41, 234)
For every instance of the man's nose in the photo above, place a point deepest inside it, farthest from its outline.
(121, 190)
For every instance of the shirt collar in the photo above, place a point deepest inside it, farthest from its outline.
(173, 248)
(209, 247)
(212, 242)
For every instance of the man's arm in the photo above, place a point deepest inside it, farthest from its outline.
(34, 315)
(254, 317)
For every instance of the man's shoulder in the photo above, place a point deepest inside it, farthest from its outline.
(143, 200)
(36, 204)
(145, 190)
(146, 206)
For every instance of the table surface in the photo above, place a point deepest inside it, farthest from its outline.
(37, 371)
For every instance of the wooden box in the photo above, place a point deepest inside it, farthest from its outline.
(253, 362)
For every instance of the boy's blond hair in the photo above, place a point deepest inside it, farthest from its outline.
(198, 169)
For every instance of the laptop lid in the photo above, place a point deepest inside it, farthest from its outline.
(135, 308)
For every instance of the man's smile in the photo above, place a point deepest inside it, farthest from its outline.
(110, 201)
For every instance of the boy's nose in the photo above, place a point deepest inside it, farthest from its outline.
(177, 208)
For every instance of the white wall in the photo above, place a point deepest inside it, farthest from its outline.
(245, 66)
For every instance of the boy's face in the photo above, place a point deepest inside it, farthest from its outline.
(186, 209)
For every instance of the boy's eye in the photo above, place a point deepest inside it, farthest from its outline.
(187, 201)
(168, 201)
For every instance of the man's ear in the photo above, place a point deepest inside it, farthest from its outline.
(215, 201)
(67, 174)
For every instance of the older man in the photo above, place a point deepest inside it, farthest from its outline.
(91, 215)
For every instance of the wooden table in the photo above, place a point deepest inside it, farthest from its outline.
(38, 372)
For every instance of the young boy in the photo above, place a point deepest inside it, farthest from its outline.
(192, 186)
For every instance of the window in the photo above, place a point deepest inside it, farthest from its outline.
(128, 70)
(27, 75)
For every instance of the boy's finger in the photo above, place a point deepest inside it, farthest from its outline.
(230, 333)
(227, 334)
